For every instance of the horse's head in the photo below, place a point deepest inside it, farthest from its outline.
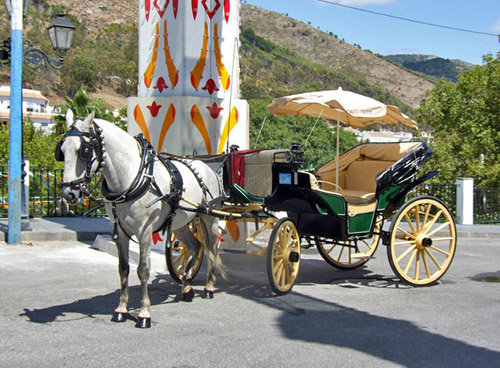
(81, 152)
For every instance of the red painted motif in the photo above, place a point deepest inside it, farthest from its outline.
(194, 8)
(157, 7)
(154, 108)
(227, 9)
(212, 12)
(211, 86)
(214, 110)
(147, 8)
(175, 5)
(157, 238)
(161, 85)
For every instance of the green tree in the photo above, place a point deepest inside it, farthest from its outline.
(80, 69)
(466, 120)
(81, 104)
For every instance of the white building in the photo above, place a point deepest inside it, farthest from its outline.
(35, 107)
(384, 136)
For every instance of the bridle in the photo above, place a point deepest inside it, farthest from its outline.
(91, 150)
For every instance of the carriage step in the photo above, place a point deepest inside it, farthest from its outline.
(361, 256)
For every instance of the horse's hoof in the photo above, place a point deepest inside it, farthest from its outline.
(119, 317)
(188, 297)
(208, 294)
(143, 322)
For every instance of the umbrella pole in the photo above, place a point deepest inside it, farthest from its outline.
(338, 152)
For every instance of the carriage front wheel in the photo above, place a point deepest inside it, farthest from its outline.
(283, 256)
(177, 255)
(422, 241)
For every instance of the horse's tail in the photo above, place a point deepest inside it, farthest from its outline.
(212, 252)
(217, 262)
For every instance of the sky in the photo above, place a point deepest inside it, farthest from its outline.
(384, 35)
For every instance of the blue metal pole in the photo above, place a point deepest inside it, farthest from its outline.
(16, 122)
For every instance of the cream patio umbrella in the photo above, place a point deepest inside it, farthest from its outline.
(345, 107)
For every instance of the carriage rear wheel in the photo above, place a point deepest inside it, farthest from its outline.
(422, 241)
(283, 256)
(177, 256)
(349, 255)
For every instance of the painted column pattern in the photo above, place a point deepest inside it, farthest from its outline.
(188, 77)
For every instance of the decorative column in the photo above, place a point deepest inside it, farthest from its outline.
(189, 77)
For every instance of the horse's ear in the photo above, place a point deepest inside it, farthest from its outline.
(88, 120)
(69, 118)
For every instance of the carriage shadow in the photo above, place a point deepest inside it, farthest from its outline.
(311, 319)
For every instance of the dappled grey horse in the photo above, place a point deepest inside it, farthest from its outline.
(143, 191)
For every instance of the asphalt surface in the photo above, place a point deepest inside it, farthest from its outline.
(58, 297)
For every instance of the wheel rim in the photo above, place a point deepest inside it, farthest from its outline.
(284, 257)
(179, 256)
(423, 240)
(340, 254)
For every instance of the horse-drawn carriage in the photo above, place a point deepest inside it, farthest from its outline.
(343, 209)
(341, 213)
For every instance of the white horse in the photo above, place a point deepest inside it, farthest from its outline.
(143, 192)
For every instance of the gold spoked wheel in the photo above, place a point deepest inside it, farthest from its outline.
(423, 240)
(177, 255)
(283, 256)
(350, 254)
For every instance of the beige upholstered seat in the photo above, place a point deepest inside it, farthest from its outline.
(359, 167)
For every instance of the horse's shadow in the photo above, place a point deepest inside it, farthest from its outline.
(159, 293)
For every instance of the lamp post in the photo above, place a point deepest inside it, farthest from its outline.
(11, 52)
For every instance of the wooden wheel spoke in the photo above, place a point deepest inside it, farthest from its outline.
(279, 262)
(405, 242)
(431, 223)
(433, 259)
(410, 223)
(405, 253)
(415, 251)
(426, 265)
(411, 236)
(440, 251)
(438, 228)
(417, 264)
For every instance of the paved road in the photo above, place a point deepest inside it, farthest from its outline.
(57, 298)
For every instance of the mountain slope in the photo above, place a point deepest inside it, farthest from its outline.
(329, 51)
(433, 66)
(339, 61)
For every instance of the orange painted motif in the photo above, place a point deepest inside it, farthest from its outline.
(197, 71)
(139, 119)
(224, 75)
(231, 122)
(234, 230)
(198, 121)
(167, 123)
(150, 71)
(173, 73)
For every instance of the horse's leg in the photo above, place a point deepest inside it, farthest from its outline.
(210, 228)
(122, 245)
(185, 235)
(145, 240)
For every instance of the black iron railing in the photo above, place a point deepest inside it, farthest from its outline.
(45, 195)
(487, 206)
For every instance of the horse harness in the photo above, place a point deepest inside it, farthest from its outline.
(143, 181)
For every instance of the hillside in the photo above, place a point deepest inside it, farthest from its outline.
(335, 54)
(109, 26)
(431, 65)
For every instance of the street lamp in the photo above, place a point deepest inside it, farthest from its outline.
(14, 52)
(61, 35)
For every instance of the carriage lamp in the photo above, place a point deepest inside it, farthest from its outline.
(61, 35)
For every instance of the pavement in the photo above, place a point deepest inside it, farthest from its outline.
(96, 231)
(88, 228)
